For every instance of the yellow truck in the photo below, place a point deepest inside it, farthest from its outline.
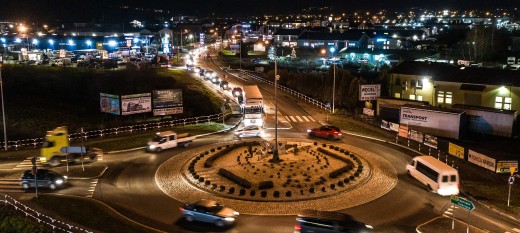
(56, 149)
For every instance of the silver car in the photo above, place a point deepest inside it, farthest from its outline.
(250, 131)
(209, 211)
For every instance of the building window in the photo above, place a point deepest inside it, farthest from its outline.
(412, 83)
(440, 97)
(507, 103)
(449, 97)
(419, 97)
(503, 102)
(397, 95)
(412, 97)
(419, 84)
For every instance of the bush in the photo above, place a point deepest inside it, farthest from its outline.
(315, 143)
(252, 193)
(276, 194)
(207, 152)
(288, 194)
(332, 186)
(331, 147)
(212, 150)
(340, 184)
(346, 180)
(238, 180)
(207, 182)
(213, 186)
(311, 190)
(242, 192)
(263, 193)
(356, 174)
(265, 185)
(351, 177)
(231, 190)
(201, 179)
(196, 177)
(323, 189)
(222, 188)
(219, 148)
(324, 145)
(209, 161)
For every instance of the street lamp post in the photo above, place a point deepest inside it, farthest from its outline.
(332, 49)
(276, 158)
(3, 108)
(240, 52)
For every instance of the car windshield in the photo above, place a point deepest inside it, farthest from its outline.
(214, 209)
(159, 139)
(250, 128)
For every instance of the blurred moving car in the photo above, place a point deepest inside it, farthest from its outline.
(327, 131)
(250, 131)
(224, 85)
(45, 178)
(316, 221)
(209, 211)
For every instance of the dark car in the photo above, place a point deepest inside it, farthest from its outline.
(237, 91)
(224, 85)
(202, 72)
(328, 222)
(46, 179)
(209, 211)
(327, 131)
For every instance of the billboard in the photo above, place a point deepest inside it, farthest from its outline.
(416, 136)
(403, 131)
(138, 103)
(430, 141)
(439, 123)
(369, 92)
(481, 160)
(456, 150)
(505, 166)
(167, 102)
(109, 103)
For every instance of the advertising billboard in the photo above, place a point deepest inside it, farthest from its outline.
(441, 123)
(167, 102)
(430, 141)
(109, 103)
(505, 166)
(416, 136)
(369, 92)
(481, 160)
(138, 103)
(456, 150)
(403, 131)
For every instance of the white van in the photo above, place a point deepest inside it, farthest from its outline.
(436, 175)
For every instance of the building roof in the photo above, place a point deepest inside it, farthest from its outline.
(286, 31)
(335, 35)
(450, 73)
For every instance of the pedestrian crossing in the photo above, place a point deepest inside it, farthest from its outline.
(92, 188)
(514, 230)
(299, 119)
(27, 164)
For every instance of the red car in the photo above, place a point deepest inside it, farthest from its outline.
(327, 131)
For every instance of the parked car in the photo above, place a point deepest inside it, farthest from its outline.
(250, 131)
(328, 221)
(327, 131)
(224, 85)
(46, 179)
(209, 211)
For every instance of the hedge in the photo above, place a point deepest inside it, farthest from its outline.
(265, 184)
(237, 179)
(209, 161)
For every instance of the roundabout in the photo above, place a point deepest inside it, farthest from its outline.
(311, 175)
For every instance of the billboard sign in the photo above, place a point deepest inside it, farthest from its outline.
(439, 123)
(481, 160)
(403, 131)
(416, 136)
(369, 92)
(505, 166)
(456, 150)
(109, 103)
(430, 141)
(167, 102)
(138, 103)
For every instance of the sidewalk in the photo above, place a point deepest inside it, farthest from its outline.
(445, 225)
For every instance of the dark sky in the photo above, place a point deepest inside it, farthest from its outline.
(82, 10)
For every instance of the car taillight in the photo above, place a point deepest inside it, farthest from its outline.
(297, 228)
(181, 209)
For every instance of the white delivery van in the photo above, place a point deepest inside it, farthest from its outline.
(436, 175)
(169, 139)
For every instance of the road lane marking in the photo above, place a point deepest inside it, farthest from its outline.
(306, 119)
(293, 119)
(312, 119)
(299, 119)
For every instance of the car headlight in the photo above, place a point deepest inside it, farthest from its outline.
(59, 181)
(308, 131)
(229, 219)
(152, 147)
(369, 227)
(65, 177)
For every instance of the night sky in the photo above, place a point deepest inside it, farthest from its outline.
(85, 10)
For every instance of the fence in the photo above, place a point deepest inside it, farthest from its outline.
(35, 142)
(41, 218)
(312, 101)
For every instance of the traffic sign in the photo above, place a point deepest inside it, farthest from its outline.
(73, 149)
(511, 180)
(462, 203)
(512, 170)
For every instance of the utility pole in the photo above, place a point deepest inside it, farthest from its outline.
(3, 108)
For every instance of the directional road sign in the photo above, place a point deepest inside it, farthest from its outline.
(73, 149)
(511, 180)
(462, 203)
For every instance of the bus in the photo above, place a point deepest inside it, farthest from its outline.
(253, 106)
(437, 176)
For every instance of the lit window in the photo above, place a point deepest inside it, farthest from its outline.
(419, 83)
(507, 103)
(499, 102)
(440, 97)
(397, 95)
(412, 97)
(419, 97)
(449, 96)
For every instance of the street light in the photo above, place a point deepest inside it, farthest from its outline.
(332, 49)
(3, 108)
(276, 158)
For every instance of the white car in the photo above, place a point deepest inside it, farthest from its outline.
(250, 131)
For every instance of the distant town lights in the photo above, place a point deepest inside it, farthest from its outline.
(17, 40)
(70, 42)
(51, 41)
(88, 42)
(112, 43)
(2, 40)
(35, 41)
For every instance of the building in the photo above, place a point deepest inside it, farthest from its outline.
(445, 85)
(336, 39)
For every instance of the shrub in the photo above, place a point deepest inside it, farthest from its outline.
(252, 193)
(339, 171)
(323, 189)
(276, 194)
(311, 190)
(212, 150)
(265, 185)
(196, 177)
(288, 194)
(242, 192)
(207, 152)
(341, 150)
(201, 179)
(315, 143)
(340, 184)
(219, 148)
(331, 147)
(213, 186)
(207, 182)
(238, 180)
(356, 174)
(263, 193)
(324, 145)
(332, 186)
(231, 190)
(346, 180)
(351, 177)
(222, 188)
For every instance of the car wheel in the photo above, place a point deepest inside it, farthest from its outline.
(188, 218)
(52, 186)
(158, 149)
(219, 223)
(331, 137)
(55, 161)
(429, 188)
(311, 135)
(25, 186)
(185, 144)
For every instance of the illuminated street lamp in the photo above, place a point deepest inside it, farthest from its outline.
(332, 49)
(23, 30)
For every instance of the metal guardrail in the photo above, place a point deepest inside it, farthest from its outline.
(35, 142)
(41, 218)
(310, 100)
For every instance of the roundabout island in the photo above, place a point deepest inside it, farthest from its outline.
(309, 175)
